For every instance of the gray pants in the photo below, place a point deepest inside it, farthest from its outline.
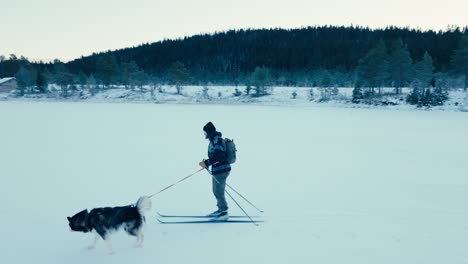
(219, 184)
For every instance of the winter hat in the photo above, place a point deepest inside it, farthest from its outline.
(209, 128)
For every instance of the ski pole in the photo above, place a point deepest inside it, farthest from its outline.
(244, 198)
(253, 222)
(261, 211)
(181, 180)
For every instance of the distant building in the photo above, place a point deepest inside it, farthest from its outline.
(7, 84)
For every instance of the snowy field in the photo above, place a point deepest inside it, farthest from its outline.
(338, 185)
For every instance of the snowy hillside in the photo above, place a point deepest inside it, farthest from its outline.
(338, 185)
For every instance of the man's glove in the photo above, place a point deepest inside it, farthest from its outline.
(202, 164)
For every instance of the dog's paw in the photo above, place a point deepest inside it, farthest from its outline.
(139, 245)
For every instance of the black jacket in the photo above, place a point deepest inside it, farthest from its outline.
(217, 154)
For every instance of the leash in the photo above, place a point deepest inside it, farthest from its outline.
(181, 180)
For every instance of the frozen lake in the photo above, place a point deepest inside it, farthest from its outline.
(337, 185)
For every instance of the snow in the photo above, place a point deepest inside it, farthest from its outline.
(4, 80)
(338, 185)
(223, 95)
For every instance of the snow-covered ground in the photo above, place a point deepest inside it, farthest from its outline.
(338, 185)
(280, 96)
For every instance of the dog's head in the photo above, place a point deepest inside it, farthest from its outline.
(79, 222)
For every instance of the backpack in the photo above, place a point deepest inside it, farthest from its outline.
(231, 150)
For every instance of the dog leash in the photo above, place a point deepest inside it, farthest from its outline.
(181, 180)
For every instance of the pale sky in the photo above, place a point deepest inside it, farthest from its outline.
(64, 29)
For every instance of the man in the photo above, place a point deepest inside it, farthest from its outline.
(220, 169)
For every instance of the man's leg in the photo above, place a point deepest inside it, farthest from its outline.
(219, 185)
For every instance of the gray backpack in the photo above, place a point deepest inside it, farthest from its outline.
(231, 150)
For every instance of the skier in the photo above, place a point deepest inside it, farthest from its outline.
(220, 169)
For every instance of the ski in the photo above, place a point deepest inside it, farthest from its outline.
(208, 222)
(201, 216)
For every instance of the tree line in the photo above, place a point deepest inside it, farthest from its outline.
(325, 56)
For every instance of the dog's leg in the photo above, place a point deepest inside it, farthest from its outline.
(140, 238)
(104, 234)
(109, 246)
(96, 239)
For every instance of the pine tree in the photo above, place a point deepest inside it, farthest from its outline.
(127, 72)
(91, 84)
(424, 70)
(62, 77)
(325, 79)
(372, 70)
(41, 82)
(25, 78)
(423, 73)
(107, 69)
(400, 63)
(261, 78)
(81, 78)
(139, 78)
(178, 75)
(421, 94)
(459, 60)
(416, 93)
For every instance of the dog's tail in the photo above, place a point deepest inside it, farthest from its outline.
(143, 204)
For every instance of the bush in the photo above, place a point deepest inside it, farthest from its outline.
(424, 97)
(414, 97)
(311, 94)
(248, 88)
(439, 96)
(205, 92)
(237, 93)
(294, 95)
(357, 95)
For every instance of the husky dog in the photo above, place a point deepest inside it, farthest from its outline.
(105, 220)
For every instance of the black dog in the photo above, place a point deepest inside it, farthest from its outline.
(105, 220)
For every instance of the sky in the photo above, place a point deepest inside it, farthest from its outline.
(65, 30)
